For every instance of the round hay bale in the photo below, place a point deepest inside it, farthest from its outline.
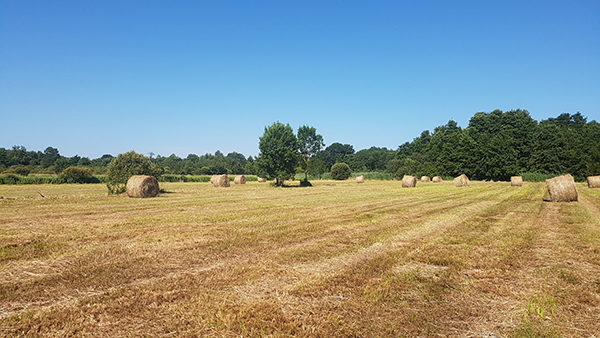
(425, 179)
(142, 186)
(360, 179)
(262, 179)
(593, 181)
(561, 189)
(461, 181)
(436, 179)
(409, 181)
(240, 179)
(516, 181)
(220, 181)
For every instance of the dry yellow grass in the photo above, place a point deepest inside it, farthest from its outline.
(336, 259)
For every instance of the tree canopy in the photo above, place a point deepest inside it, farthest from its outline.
(497, 145)
(309, 144)
(494, 146)
(278, 153)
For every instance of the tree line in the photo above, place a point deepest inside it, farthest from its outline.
(497, 145)
(494, 146)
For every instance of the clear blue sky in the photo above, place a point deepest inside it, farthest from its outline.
(97, 77)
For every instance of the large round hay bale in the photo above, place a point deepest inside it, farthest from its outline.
(436, 179)
(561, 189)
(461, 181)
(360, 179)
(142, 186)
(220, 181)
(516, 181)
(425, 179)
(409, 181)
(241, 179)
(593, 181)
(262, 179)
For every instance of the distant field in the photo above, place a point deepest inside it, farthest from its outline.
(336, 259)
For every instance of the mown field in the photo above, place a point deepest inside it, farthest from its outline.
(337, 259)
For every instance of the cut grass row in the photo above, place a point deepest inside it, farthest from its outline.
(336, 259)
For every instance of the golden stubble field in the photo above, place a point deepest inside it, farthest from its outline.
(337, 259)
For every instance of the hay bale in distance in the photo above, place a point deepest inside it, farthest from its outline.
(220, 181)
(241, 179)
(262, 179)
(360, 179)
(142, 186)
(409, 181)
(593, 181)
(516, 181)
(561, 189)
(461, 181)
(425, 179)
(436, 179)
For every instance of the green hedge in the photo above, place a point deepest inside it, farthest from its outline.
(185, 178)
(16, 179)
(383, 176)
(539, 177)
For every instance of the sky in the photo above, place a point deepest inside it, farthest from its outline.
(193, 77)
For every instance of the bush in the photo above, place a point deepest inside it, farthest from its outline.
(376, 175)
(78, 175)
(9, 178)
(17, 179)
(126, 165)
(340, 171)
(18, 169)
(539, 177)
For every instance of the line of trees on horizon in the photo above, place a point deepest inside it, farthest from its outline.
(494, 146)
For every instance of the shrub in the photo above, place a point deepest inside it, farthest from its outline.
(340, 171)
(537, 177)
(78, 175)
(126, 165)
(376, 175)
(18, 169)
(9, 178)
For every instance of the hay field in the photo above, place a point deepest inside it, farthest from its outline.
(337, 259)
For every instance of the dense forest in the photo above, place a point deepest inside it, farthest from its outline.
(494, 146)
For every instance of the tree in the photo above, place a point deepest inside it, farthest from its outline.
(278, 153)
(49, 157)
(372, 159)
(84, 161)
(61, 164)
(126, 165)
(310, 143)
(334, 153)
(78, 175)
(102, 161)
(340, 171)
(316, 167)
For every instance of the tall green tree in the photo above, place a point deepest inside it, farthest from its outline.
(503, 143)
(278, 153)
(309, 144)
(49, 157)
